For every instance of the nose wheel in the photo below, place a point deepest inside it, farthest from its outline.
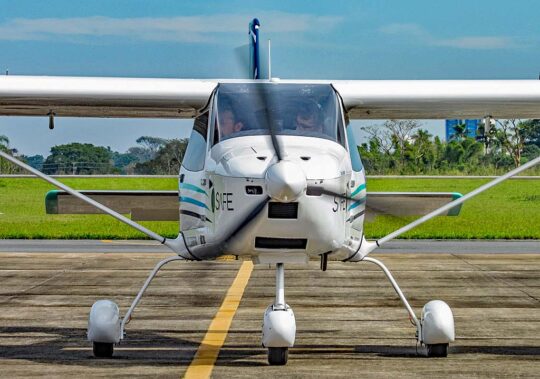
(103, 349)
(439, 350)
(277, 356)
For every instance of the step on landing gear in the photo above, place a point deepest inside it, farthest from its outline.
(279, 325)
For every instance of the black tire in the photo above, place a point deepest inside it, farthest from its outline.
(439, 350)
(103, 349)
(277, 356)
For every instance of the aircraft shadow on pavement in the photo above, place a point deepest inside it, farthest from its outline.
(68, 346)
(410, 351)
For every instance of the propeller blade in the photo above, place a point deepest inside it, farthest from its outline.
(263, 93)
(242, 59)
(318, 191)
(254, 213)
(268, 103)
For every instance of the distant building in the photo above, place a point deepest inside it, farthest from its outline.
(472, 126)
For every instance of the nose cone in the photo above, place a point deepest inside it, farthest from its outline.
(285, 181)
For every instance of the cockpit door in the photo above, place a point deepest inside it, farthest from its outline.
(194, 185)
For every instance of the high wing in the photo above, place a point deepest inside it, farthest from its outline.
(181, 98)
(440, 99)
(103, 97)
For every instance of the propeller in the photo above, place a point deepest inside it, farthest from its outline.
(254, 213)
(315, 190)
(241, 58)
(268, 103)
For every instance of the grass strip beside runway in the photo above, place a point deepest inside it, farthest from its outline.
(508, 211)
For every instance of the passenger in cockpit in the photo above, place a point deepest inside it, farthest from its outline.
(308, 117)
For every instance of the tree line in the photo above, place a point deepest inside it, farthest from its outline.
(394, 147)
(151, 156)
(403, 147)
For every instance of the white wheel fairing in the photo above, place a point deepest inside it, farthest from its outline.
(104, 322)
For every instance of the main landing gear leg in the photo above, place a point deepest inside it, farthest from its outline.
(105, 328)
(279, 325)
(435, 329)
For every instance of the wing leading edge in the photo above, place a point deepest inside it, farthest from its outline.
(181, 98)
(103, 97)
(440, 99)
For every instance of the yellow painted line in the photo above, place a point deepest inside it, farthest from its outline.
(205, 358)
(226, 258)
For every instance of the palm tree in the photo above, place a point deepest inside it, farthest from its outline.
(4, 143)
(460, 132)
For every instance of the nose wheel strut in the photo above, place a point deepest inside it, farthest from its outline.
(279, 325)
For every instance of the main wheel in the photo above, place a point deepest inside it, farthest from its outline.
(277, 356)
(437, 350)
(103, 349)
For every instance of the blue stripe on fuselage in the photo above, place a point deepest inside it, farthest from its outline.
(357, 203)
(185, 199)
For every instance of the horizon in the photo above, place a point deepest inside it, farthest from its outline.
(346, 40)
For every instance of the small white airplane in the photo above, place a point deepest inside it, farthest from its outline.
(272, 172)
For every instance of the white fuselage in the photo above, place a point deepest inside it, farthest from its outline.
(217, 200)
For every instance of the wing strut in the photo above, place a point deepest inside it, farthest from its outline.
(177, 245)
(368, 246)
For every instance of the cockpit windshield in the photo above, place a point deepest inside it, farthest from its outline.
(289, 109)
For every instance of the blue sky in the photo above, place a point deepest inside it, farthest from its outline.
(310, 40)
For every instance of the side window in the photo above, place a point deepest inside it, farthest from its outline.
(196, 149)
(356, 162)
(340, 131)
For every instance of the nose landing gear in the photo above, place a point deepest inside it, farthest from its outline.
(279, 325)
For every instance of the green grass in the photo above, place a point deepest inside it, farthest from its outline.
(508, 211)
(22, 202)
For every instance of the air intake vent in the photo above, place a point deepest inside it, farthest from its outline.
(280, 243)
(283, 210)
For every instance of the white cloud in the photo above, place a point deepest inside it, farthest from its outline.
(479, 42)
(411, 29)
(420, 34)
(196, 29)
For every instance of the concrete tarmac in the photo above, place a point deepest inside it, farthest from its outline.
(350, 323)
(396, 246)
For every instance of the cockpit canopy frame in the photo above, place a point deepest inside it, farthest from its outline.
(249, 109)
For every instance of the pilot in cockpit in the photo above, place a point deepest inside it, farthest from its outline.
(308, 117)
(228, 122)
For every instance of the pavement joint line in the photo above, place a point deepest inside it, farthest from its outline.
(494, 278)
(203, 363)
(78, 265)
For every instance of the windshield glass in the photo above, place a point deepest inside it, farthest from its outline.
(289, 109)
